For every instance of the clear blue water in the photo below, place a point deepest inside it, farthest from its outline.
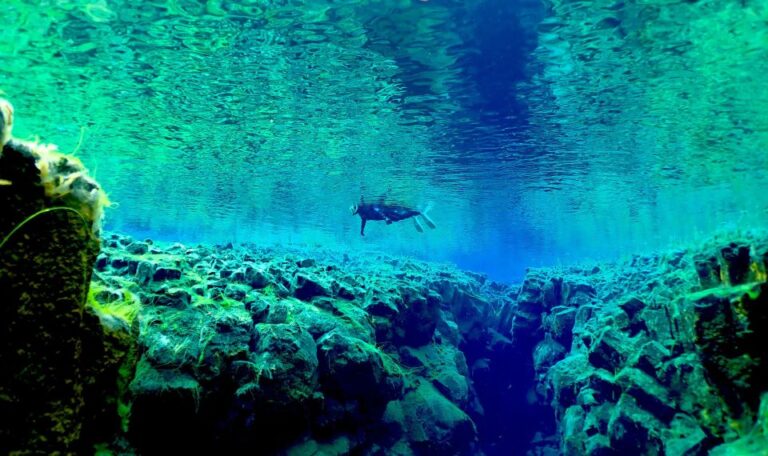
(543, 132)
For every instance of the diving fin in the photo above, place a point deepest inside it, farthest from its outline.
(418, 226)
(426, 218)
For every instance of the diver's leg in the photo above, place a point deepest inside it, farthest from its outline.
(362, 226)
(418, 226)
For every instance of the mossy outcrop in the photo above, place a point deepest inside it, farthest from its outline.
(55, 352)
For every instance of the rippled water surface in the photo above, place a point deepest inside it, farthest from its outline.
(542, 131)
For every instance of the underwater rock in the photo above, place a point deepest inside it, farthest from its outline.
(119, 263)
(256, 278)
(163, 340)
(684, 437)
(351, 369)
(306, 287)
(659, 325)
(632, 307)
(319, 323)
(631, 429)
(258, 309)
(610, 350)
(736, 261)
(432, 424)
(445, 365)
(283, 367)
(102, 261)
(755, 441)
(546, 354)
(137, 248)
(220, 350)
(345, 293)
(566, 378)
(729, 325)
(50, 211)
(622, 358)
(665, 361)
(145, 272)
(416, 320)
(109, 355)
(573, 425)
(559, 323)
(236, 292)
(178, 298)
(471, 314)
(650, 358)
(708, 270)
(648, 394)
(163, 273)
(306, 263)
(339, 446)
(382, 303)
(530, 302)
(576, 293)
(598, 445)
(164, 409)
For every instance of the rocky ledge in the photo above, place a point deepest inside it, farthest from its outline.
(252, 349)
(248, 349)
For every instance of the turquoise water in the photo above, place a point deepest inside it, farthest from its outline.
(542, 132)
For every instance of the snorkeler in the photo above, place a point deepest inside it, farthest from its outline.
(389, 213)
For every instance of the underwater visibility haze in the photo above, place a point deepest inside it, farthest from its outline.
(564, 206)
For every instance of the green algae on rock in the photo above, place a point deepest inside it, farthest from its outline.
(291, 370)
(52, 350)
(638, 356)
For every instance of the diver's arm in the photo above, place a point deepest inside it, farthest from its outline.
(362, 226)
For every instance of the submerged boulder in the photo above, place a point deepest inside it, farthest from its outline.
(430, 423)
(351, 369)
(164, 409)
(728, 329)
(416, 320)
(50, 211)
(306, 287)
(610, 350)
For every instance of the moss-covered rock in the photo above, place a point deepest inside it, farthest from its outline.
(352, 369)
(49, 220)
(431, 424)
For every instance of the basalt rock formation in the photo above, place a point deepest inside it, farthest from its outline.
(304, 352)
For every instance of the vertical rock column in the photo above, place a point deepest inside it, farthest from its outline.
(49, 215)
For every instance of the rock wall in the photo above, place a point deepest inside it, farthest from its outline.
(658, 355)
(251, 349)
(290, 352)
